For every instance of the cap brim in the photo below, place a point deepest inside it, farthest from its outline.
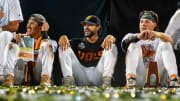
(82, 22)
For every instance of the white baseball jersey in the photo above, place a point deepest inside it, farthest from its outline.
(173, 28)
(11, 10)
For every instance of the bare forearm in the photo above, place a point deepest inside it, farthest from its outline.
(12, 26)
(166, 38)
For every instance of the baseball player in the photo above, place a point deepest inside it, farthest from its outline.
(173, 28)
(43, 53)
(10, 17)
(85, 62)
(149, 45)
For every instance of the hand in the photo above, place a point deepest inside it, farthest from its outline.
(45, 26)
(143, 35)
(148, 35)
(153, 35)
(64, 42)
(108, 41)
(18, 37)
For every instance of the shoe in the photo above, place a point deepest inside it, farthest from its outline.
(8, 80)
(69, 81)
(131, 80)
(174, 81)
(106, 82)
(45, 80)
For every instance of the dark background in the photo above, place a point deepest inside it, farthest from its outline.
(118, 18)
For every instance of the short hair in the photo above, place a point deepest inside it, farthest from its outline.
(154, 14)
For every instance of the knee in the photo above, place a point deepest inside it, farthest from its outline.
(47, 46)
(65, 52)
(6, 36)
(113, 50)
(133, 46)
(165, 46)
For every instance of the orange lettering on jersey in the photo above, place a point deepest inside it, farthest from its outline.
(100, 53)
(81, 56)
(89, 56)
(96, 57)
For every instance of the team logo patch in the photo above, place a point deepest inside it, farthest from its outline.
(81, 45)
(89, 17)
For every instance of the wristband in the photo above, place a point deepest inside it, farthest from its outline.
(133, 38)
(160, 34)
(44, 35)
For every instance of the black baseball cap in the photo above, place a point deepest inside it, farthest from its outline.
(92, 19)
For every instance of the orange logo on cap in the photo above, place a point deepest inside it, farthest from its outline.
(89, 17)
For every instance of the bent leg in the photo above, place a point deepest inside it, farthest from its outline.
(5, 38)
(166, 62)
(44, 63)
(135, 64)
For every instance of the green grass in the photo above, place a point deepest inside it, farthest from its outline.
(62, 93)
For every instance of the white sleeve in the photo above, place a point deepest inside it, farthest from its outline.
(173, 28)
(15, 10)
(174, 23)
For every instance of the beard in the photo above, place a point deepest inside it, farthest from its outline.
(90, 34)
